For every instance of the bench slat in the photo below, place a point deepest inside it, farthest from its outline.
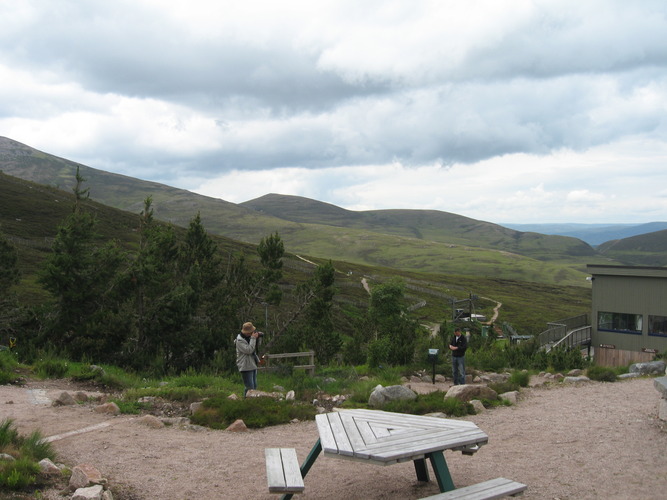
(488, 490)
(283, 473)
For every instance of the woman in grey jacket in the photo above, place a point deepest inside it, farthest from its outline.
(246, 355)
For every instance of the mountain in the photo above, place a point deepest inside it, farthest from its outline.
(593, 234)
(426, 241)
(644, 250)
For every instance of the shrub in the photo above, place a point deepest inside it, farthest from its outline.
(22, 472)
(502, 387)
(219, 412)
(601, 374)
(521, 378)
(51, 368)
(431, 403)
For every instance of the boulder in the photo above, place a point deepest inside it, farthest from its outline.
(84, 475)
(150, 421)
(574, 380)
(46, 466)
(478, 406)
(381, 395)
(511, 396)
(65, 399)
(649, 368)
(660, 385)
(110, 408)
(468, 392)
(237, 426)
(89, 493)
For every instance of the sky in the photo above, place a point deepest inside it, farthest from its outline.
(510, 111)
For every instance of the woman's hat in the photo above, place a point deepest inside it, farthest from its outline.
(248, 327)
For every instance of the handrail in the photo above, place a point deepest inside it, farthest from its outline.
(579, 336)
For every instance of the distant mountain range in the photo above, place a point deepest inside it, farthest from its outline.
(593, 234)
(422, 240)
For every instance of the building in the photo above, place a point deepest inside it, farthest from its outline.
(628, 313)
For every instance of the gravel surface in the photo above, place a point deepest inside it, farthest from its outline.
(585, 441)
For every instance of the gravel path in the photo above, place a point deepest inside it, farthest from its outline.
(566, 442)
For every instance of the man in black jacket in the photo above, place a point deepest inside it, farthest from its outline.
(458, 346)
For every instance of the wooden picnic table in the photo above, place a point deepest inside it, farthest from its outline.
(385, 438)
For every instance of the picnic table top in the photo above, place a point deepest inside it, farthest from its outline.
(385, 437)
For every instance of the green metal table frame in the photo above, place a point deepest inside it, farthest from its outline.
(437, 459)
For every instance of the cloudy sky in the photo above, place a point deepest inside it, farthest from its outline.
(504, 111)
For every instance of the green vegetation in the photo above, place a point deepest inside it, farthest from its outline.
(27, 451)
(601, 374)
(434, 402)
(219, 412)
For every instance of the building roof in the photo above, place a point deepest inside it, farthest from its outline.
(636, 271)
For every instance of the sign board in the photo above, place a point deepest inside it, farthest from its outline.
(652, 351)
(433, 352)
(608, 346)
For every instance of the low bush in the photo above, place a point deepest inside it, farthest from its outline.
(28, 451)
(601, 374)
(219, 412)
(434, 402)
(502, 387)
(521, 378)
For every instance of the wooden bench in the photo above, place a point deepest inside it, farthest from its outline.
(494, 488)
(283, 473)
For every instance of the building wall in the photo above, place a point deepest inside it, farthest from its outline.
(633, 291)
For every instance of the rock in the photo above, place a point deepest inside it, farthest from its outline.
(237, 426)
(65, 399)
(329, 380)
(662, 410)
(194, 407)
(660, 385)
(494, 378)
(468, 392)
(110, 408)
(278, 388)
(97, 370)
(150, 421)
(649, 368)
(89, 493)
(6, 457)
(254, 393)
(573, 380)
(575, 373)
(290, 396)
(629, 375)
(440, 378)
(381, 395)
(46, 466)
(84, 475)
(415, 379)
(233, 396)
(478, 406)
(81, 397)
(511, 396)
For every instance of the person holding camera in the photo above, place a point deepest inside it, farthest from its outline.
(247, 360)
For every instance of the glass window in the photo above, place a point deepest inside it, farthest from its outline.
(620, 322)
(657, 325)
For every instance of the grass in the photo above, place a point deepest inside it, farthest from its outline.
(27, 451)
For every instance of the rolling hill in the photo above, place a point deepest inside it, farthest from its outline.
(421, 240)
(30, 214)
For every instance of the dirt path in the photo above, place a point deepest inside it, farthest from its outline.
(566, 442)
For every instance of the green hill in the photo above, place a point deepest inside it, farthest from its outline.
(648, 249)
(419, 240)
(30, 214)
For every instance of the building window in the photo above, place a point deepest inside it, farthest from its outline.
(620, 322)
(657, 325)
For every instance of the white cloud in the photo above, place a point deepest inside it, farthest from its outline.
(502, 111)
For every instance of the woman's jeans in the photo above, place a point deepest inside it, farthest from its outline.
(249, 380)
(459, 369)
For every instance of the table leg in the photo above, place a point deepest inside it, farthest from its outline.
(441, 470)
(421, 470)
(307, 464)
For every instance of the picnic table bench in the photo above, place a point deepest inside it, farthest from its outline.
(282, 471)
(488, 490)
